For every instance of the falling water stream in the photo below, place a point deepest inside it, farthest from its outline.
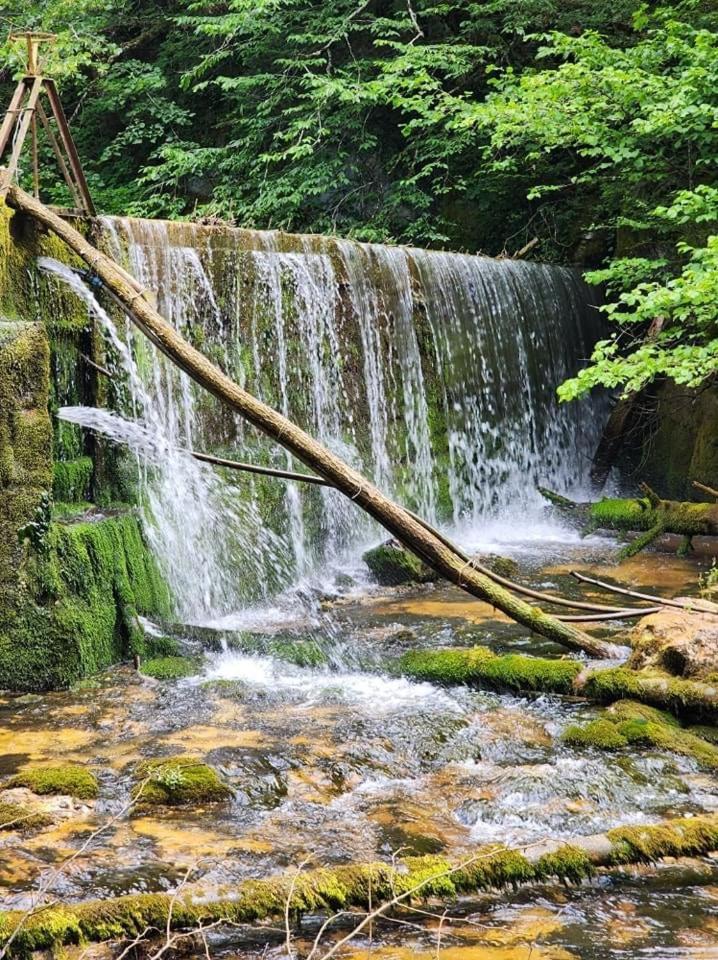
(435, 374)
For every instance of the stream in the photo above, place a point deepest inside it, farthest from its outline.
(346, 762)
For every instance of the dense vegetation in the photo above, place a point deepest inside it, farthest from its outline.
(592, 125)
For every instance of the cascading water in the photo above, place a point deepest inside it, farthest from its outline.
(434, 373)
(194, 524)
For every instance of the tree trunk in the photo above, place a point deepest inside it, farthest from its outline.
(650, 516)
(315, 456)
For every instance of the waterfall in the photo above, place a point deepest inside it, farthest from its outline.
(433, 373)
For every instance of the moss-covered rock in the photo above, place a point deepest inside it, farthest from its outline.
(17, 816)
(69, 779)
(83, 589)
(636, 724)
(177, 782)
(170, 668)
(392, 565)
(601, 734)
(479, 666)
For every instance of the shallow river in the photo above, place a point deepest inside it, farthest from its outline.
(349, 763)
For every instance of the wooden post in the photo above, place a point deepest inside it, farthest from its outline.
(23, 118)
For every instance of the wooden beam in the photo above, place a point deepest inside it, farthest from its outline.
(69, 145)
(11, 116)
(28, 112)
(58, 154)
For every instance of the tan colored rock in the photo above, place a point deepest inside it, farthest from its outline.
(683, 643)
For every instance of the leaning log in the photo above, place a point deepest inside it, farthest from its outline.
(649, 516)
(313, 454)
(361, 886)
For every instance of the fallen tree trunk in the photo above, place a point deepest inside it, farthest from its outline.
(313, 454)
(650, 516)
(363, 886)
(479, 666)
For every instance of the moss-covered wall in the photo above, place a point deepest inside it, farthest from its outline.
(73, 581)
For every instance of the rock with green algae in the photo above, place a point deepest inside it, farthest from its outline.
(480, 666)
(393, 565)
(67, 779)
(627, 723)
(177, 782)
(170, 668)
(17, 816)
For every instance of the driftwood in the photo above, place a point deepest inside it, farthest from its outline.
(697, 604)
(649, 516)
(357, 886)
(313, 454)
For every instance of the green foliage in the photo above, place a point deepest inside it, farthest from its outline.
(16, 816)
(439, 122)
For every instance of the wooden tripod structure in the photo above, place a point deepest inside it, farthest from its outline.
(22, 117)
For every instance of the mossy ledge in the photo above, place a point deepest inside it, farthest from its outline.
(628, 723)
(177, 782)
(479, 666)
(327, 890)
(67, 779)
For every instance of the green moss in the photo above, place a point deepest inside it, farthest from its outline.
(328, 890)
(679, 838)
(601, 734)
(69, 779)
(16, 816)
(83, 595)
(632, 723)
(170, 668)
(689, 699)
(71, 480)
(392, 565)
(568, 863)
(479, 666)
(177, 781)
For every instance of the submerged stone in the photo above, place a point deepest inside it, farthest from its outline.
(393, 565)
(177, 782)
(67, 779)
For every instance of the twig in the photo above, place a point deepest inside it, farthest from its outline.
(693, 606)
(704, 488)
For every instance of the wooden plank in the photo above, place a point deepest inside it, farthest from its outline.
(11, 115)
(58, 154)
(69, 145)
(28, 113)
